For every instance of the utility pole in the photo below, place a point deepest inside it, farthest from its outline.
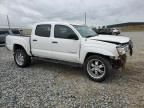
(8, 22)
(85, 18)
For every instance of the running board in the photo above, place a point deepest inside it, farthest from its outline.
(59, 62)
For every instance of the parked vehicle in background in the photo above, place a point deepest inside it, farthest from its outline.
(15, 32)
(73, 44)
(4, 33)
(107, 31)
(115, 31)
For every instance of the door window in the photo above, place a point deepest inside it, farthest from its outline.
(43, 30)
(62, 31)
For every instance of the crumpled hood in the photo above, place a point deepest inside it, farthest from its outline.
(110, 38)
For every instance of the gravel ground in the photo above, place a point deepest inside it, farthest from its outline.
(45, 84)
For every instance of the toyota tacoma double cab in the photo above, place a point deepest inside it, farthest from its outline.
(74, 44)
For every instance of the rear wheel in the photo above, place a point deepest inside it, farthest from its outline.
(21, 58)
(97, 68)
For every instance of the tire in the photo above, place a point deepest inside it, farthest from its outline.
(21, 58)
(97, 68)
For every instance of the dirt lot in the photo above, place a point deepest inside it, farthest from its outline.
(46, 84)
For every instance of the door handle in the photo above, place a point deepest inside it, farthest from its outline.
(55, 42)
(34, 40)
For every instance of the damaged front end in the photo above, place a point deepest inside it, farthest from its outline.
(116, 64)
(123, 50)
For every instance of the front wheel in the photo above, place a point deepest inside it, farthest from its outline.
(21, 58)
(97, 68)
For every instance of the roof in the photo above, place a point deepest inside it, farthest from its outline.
(66, 23)
(126, 24)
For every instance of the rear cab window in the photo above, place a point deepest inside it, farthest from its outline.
(43, 30)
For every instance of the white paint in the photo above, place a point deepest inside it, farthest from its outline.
(66, 49)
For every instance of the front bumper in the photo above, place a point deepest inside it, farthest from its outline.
(117, 63)
(120, 61)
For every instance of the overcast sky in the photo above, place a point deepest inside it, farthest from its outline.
(99, 12)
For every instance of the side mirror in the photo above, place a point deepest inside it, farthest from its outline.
(73, 36)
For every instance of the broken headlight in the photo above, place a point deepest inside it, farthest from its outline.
(120, 50)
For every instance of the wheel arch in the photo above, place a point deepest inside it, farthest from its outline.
(92, 53)
(90, 50)
(17, 46)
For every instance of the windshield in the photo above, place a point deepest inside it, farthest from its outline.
(85, 31)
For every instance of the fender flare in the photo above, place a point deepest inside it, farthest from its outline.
(98, 51)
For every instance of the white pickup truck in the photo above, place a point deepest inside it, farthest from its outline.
(75, 44)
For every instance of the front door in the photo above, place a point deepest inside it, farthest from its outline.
(65, 44)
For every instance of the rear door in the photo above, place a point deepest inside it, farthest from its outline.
(41, 41)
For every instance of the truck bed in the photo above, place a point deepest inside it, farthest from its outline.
(22, 40)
